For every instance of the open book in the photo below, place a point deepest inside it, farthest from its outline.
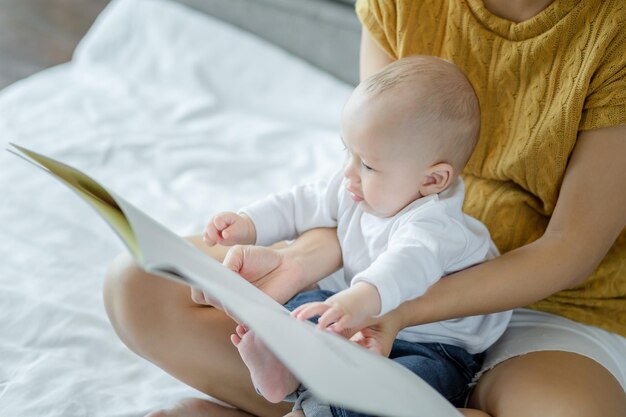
(334, 369)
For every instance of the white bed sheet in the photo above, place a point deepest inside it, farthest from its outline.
(183, 116)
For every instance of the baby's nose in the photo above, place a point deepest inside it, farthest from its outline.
(349, 172)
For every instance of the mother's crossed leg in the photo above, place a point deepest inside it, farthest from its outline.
(157, 319)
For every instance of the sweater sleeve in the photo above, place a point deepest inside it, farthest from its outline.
(380, 18)
(605, 103)
(287, 215)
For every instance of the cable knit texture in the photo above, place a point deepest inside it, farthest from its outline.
(539, 82)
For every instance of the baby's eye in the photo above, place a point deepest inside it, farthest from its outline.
(369, 168)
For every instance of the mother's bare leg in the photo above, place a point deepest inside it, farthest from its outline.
(157, 319)
(550, 384)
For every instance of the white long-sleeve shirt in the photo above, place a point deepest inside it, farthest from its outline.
(401, 255)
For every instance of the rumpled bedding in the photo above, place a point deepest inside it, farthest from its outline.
(183, 116)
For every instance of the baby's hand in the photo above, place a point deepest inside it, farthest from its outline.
(350, 309)
(333, 316)
(228, 228)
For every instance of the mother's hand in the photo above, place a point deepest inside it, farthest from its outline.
(380, 334)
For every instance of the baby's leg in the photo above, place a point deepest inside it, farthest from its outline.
(270, 377)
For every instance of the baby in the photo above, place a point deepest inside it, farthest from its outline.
(397, 205)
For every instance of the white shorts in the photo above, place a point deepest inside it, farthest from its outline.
(533, 331)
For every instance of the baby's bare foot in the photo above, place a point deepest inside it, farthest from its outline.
(269, 375)
(195, 407)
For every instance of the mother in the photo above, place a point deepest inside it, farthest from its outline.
(548, 178)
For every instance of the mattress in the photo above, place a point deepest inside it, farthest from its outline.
(182, 115)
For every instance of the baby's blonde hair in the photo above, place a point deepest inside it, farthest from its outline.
(446, 103)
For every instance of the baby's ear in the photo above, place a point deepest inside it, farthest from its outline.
(436, 179)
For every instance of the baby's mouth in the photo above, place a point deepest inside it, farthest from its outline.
(355, 197)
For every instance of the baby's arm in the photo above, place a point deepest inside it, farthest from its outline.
(420, 251)
(228, 228)
(287, 215)
(350, 308)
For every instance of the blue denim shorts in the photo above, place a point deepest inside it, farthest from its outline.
(448, 369)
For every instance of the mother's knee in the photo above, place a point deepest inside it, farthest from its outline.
(128, 296)
(549, 384)
(123, 277)
(137, 302)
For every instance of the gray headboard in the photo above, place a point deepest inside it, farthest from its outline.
(324, 32)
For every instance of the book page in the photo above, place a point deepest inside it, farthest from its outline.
(87, 188)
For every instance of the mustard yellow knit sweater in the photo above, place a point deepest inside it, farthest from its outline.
(539, 82)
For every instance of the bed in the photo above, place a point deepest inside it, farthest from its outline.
(185, 109)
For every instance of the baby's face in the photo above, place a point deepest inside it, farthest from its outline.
(384, 168)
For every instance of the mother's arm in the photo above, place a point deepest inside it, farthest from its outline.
(372, 57)
(587, 219)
